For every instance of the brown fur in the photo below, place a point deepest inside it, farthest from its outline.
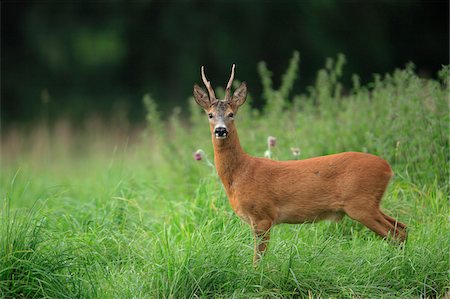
(265, 192)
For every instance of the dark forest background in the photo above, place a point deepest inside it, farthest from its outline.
(74, 58)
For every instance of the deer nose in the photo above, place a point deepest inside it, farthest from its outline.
(220, 132)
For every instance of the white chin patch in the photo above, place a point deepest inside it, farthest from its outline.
(221, 137)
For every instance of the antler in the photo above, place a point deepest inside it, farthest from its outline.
(207, 83)
(230, 82)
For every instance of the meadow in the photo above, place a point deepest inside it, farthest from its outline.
(107, 210)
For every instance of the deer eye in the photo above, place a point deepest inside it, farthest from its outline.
(230, 114)
(210, 115)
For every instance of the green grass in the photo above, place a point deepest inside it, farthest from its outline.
(94, 214)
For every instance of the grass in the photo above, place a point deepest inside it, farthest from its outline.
(100, 213)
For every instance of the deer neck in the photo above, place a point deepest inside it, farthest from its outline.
(228, 157)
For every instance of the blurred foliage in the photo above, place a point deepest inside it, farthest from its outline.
(74, 59)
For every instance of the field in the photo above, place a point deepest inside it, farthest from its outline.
(104, 210)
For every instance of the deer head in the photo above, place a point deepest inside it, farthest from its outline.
(220, 112)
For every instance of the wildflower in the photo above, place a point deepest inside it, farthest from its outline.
(271, 141)
(198, 155)
(296, 152)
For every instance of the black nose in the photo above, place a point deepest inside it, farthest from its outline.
(220, 132)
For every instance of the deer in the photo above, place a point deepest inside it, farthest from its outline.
(265, 192)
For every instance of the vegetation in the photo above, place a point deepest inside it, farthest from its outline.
(76, 58)
(114, 212)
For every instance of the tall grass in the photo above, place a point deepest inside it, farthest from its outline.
(109, 213)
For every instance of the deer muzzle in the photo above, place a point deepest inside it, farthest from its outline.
(220, 132)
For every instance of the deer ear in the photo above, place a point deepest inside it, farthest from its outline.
(201, 97)
(239, 95)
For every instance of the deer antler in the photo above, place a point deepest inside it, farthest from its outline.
(212, 96)
(230, 82)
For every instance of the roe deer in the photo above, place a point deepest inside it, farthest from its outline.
(265, 192)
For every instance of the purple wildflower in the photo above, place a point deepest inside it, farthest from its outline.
(198, 155)
(271, 141)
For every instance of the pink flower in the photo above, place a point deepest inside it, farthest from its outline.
(198, 155)
(201, 155)
(271, 141)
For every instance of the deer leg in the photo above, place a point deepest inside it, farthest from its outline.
(394, 222)
(375, 221)
(261, 230)
(395, 231)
